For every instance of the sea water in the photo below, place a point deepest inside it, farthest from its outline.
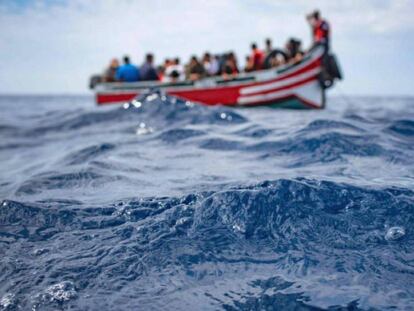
(163, 204)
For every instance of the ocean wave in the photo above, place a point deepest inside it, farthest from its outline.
(296, 231)
(165, 204)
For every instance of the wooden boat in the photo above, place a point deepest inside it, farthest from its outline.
(300, 85)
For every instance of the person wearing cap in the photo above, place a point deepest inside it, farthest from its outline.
(320, 29)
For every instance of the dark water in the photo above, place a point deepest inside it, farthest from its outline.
(175, 206)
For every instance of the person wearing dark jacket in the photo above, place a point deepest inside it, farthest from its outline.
(147, 71)
(195, 69)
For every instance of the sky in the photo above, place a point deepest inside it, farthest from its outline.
(54, 46)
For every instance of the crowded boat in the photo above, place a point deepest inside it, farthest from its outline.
(284, 77)
(225, 64)
(209, 65)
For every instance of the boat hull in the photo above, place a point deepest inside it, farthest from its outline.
(294, 86)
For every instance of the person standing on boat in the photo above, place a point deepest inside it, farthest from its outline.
(147, 70)
(320, 29)
(127, 72)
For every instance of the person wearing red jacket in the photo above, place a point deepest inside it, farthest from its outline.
(257, 57)
(320, 29)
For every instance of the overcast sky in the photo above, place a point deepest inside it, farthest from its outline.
(54, 46)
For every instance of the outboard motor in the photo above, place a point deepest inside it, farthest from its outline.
(330, 70)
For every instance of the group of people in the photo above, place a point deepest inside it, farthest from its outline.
(224, 65)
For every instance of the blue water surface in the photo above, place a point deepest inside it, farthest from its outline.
(167, 205)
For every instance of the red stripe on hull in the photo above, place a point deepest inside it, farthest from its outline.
(109, 98)
(224, 96)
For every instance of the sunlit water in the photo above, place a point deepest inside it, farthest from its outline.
(167, 205)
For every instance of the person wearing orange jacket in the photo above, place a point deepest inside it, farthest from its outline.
(320, 29)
